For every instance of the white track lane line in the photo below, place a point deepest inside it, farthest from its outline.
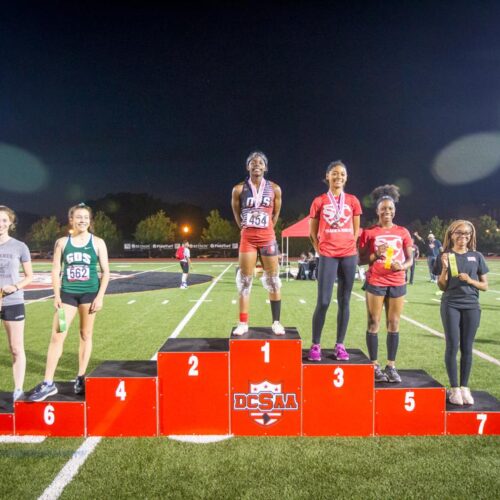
(480, 354)
(22, 439)
(69, 471)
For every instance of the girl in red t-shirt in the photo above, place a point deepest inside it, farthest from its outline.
(333, 227)
(388, 249)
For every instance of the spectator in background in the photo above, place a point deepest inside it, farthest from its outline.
(416, 255)
(433, 249)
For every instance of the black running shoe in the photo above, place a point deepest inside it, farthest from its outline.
(380, 375)
(43, 391)
(392, 374)
(79, 387)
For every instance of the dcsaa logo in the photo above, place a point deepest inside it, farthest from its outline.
(265, 402)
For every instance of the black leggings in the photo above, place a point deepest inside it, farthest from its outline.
(460, 327)
(328, 269)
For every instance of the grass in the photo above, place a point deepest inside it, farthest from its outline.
(429, 467)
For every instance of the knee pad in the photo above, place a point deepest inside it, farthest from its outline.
(243, 283)
(272, 283)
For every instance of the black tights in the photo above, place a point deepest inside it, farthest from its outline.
(460, 327)
(328, 270)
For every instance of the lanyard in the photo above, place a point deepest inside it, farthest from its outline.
(338, 205)
(257, 195)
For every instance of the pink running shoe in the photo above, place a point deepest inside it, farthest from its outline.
(314, 353)
(340, 353)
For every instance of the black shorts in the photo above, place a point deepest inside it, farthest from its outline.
(15, 312)
(184, 266)
(392, 292)
(76, 299)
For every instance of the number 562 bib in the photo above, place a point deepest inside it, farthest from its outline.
(78, 273)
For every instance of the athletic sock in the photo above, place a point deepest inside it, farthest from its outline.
(372, 344)
(276, 309)
(392, 345)
(243, 317)
(48, 382)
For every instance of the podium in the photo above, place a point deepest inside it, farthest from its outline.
(337, 395)
(60, 415)
(193, 379)
(483, 417)
(266, 383)
(6, 414)
(121, 399)
(413, 407)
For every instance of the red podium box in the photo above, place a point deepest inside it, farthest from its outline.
(6, 414)
(266, 383)
(483, 417)
(414, 407)
(193, 377)
(60, 415)
(337, 395)
(122, 399)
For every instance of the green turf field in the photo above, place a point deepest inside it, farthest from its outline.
(427, 467)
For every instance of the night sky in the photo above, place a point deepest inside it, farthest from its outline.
(113, 97)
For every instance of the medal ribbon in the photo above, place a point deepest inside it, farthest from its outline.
(257, 195)
(61, 326)
(389, 253)
(339, 206)
(452, 261)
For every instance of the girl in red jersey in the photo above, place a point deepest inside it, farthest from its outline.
(333, 227)
(388, 250)
(256, 204)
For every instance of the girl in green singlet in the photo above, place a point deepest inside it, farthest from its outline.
(77, 289)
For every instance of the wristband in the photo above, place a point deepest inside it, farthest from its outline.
(61, 325)
(452, 262)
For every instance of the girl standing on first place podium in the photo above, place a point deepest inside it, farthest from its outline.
(388, 250)
(461, 275)
(256, 204)
(79, 291)
(334, 227)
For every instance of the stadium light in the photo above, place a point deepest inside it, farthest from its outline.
(185, 229)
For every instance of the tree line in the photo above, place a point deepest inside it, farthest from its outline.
(160, 228)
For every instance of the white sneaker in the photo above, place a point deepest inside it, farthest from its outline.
(466, 396)
(455, 396)
(17, 394)
(241, 329)
(278, 328)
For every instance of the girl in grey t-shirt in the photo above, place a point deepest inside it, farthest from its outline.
(12, 254)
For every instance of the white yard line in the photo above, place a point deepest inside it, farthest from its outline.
(493, 291)
(436, 300)
(302, 301)
(233, 302)
(165, 302)
(69, 471)
(131, 302)
(22, 439)
(480, 354)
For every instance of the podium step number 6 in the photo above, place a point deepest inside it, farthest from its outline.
(49, 417)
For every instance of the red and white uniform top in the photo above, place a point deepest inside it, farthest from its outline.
(396, 237)
(336, 230)
(256, 208)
